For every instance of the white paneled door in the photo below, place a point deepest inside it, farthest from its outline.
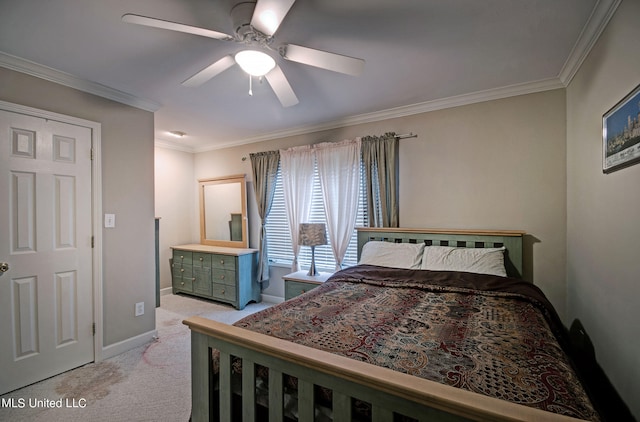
(46, 299)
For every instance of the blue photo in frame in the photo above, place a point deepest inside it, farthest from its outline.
(621, 133)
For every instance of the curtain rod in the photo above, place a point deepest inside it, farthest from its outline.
(403, 136)
(407, 135)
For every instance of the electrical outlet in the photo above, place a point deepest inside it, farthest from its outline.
(139, 308)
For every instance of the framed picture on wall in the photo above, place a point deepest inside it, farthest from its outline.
(621, 133)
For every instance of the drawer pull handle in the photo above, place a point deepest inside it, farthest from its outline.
(222, 261)
(304, 291)
(193, 279)
(181, 256)
(201, 259)
(222, 277)
(222, 291)
(182, 283)
(181, 270)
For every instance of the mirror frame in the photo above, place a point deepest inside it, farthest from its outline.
(240, 178)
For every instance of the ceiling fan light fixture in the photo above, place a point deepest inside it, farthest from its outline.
(255, 63)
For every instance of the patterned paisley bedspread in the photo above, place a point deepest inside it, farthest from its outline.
(491, 335)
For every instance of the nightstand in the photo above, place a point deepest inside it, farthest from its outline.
(299, 282)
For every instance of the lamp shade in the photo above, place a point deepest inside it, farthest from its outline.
(312, 234)
(255, 63)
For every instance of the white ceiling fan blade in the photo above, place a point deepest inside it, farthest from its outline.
(324, 60)
(281, 87)
(268, 15)
(174, 26)
(210, 71)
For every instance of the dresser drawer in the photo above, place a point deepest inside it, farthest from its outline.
(182, 257)
(223, 262)
(182, 271)
(201, 259)
(202, 281)
(224, 292)
(183, 278)
(227, 277)
(186, 285)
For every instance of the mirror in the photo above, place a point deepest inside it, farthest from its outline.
(223, 211)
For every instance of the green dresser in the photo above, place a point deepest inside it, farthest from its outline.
(218, 273)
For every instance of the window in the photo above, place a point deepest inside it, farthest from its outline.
(279, 236)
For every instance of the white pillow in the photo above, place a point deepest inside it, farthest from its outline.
(395, 255)
(474, 260)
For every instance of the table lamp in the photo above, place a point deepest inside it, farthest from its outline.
(312, 234)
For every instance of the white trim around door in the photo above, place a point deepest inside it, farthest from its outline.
(96, 193)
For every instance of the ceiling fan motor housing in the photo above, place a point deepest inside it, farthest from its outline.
(241, 15)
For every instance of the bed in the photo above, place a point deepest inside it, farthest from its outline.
(432, 340)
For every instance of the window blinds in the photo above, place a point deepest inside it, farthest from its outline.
(279, 237)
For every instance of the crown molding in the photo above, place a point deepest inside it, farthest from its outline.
(403, 111)
(159, 143)
(598, 21)
(52, 75)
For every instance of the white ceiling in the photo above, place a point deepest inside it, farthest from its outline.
(420, 55)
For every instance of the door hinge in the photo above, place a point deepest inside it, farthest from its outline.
(93, 328)
(93, 241)
(91, 154)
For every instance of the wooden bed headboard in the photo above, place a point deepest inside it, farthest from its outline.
(510, 239)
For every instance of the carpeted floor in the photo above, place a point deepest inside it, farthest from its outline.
(149, 383)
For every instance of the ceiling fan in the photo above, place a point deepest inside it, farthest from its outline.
(255, 24)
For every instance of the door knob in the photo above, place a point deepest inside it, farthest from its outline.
(4, 267)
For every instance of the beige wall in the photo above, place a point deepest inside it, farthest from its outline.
(498, 164)
(604, 210)
(175, 204)
(127, 191)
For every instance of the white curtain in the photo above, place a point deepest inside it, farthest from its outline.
(297, 181)
(339, 171)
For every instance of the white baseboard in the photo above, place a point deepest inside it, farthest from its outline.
(166, 291)
(272, 299)
(128, 344)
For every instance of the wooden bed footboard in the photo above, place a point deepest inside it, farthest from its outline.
(389, 392)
